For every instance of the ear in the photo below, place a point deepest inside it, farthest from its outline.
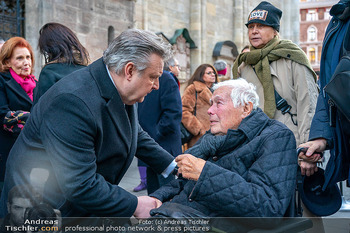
(8, 207)
(129, 70)
(247, 109)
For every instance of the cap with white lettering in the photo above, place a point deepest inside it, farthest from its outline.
(267, 14)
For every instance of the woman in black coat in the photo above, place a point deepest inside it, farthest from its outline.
(16, 93)
(63, 54)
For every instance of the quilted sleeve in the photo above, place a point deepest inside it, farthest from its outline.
(263, 190)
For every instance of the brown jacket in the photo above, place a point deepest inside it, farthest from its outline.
(200, 123)
(296, 84)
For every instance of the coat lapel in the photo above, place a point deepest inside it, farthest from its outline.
(114, 103)
(15, 87)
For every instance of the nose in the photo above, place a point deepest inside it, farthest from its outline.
(27, 61)
(22, 212)
(156, 84)
(211, 110)
(255, 29)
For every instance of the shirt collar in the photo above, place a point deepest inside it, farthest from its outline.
(110, 76)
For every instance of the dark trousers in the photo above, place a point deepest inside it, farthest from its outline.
(155, 180)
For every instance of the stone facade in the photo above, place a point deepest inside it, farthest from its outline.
(207, 21)
(91, 20)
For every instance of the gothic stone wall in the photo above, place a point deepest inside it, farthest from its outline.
(89, 19)
(208, 21)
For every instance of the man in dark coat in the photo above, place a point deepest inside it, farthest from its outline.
(160, 116)
(245, 166)
(84, 133)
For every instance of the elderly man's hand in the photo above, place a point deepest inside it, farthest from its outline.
(158, 202)
(190, 167)
(307, 168)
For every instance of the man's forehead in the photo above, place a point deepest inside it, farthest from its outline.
(222, 92)
(20, 201)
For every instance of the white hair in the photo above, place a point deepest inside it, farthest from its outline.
(242, 92)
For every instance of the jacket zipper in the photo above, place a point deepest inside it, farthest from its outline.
(189, 197)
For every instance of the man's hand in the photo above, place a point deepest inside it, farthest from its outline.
(189, 166)
(318, 145)
(308, 159)
(144, 205)
(307, 168)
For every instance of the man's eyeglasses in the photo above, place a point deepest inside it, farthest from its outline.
(211, 73)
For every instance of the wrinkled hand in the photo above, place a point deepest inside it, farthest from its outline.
(144, 205)
(318, 145)
(189, 166)
(159, 203)
(307, 168)
(308, 161)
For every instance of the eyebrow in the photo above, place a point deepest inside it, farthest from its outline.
(217, 98)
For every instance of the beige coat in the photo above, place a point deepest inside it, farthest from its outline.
(200, 123)
(295, 83)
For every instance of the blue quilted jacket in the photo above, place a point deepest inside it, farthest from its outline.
(253, 179)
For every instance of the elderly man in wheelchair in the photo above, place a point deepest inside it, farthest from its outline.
(244, 166)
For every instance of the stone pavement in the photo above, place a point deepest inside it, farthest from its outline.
(132, 179)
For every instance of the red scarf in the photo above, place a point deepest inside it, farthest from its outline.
(28, 83)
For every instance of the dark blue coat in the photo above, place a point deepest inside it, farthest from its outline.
(50, 74)
(160, 114)
(337, 167)
(250, 173)
(12, 98)
(83, 138)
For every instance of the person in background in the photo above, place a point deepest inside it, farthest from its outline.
(196, 101)
(17, 83)
(172, 65)
(278, 65)
(63, 55)
(173, 68)
(84, 133)
(221, 68)
(160, 116)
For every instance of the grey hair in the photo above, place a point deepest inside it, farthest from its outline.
(136, 46)
(242, 92)
(168, 63)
